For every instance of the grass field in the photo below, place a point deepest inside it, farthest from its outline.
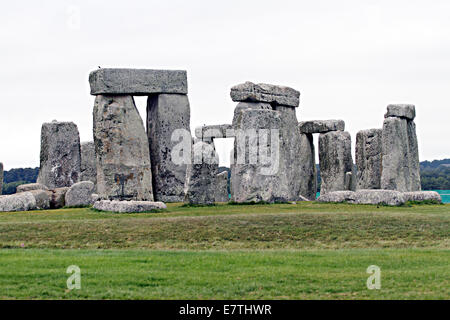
(282, 251)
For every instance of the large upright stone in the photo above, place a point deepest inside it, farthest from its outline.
(88, 162)
(248, 105)
(121, 146)
(137, 81)
(335, 160)
(167, 115)
(60, 155)
(368, 159)
(200, 186)
(414, 163)
(221, 187)
(1, 178)
(308, 180)
(261, 92)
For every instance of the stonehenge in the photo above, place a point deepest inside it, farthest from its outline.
(60, 158)
(368, 159)
(221, 187)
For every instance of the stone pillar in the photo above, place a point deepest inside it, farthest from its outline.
(201, 174)
(88, 162)
(368, 159)
(165, 114)
(221, 187)
(335, 160)
(60, 155)
(1, 178)
(308, 181)
(121, 146)
(400, 162)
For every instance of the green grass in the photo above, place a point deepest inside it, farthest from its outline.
(283, 251)
(142, 274)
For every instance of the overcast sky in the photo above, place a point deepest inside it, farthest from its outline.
(349, 60)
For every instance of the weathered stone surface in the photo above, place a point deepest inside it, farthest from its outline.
(321, 126)
(121, 147)
(128, 206)
(400, 162)
(30, 187)
(261, 92)
(422, 196)
(335, 159)
(60, 155)
(208, 133)
(57, 197)
(88, 162)
(368, 159)
(248, 105)
(137, 81)
(18, 202)
(387, 197)
(251, 178)
(221, 188)
(308, 170)
(407, 111)
(167, 114)
(42, 198)
(1, 178)
(200, 186)
(95, 197)
(80, 194)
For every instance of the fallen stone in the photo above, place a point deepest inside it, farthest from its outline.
(42, 198)
(368, 159)
(335, 159)
(337, 196)
(30, 187)
(321, 126)
(200, 186)
(308, 170)
(407, 111)
(57, 197)
(88, 162)
(167, 115)
(17, 202)
(123, 157)
(128, 206)
(137, 82)
(221, 187)
(423, 196)
(80, 194)
(95, 197)
(273, 94)
(384, 197)
(60, 155)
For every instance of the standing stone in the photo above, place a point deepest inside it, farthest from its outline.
(308, 180)
(1, 178)
(221, 187)
(335, 160)
(201, 174)
(60, 155)
(165, 114)
(88, 162)
(368, 159)
(248, 105)
(414, 163)
(121, 147)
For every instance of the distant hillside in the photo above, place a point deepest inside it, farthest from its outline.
(14, 177)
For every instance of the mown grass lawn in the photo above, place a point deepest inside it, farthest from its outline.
(283, 251)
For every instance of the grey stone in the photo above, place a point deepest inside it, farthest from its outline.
(30, 187)
(221, 188)
(321, 126)
(335, 159)
(17, 202)
(261, 92)
(407, 111)
(167, 114)
(422, 196)
(60, 155)
(95, 197)
(128, 206)
(88, 162)
(387, 197)
(208, 133)
(201, 175)
(337, 196)
(1, 178)
(121, 147)
(57, 197)
(400, 167)
(42, 198)
(248, 105)
(80, 194)
(308, 170)
(368, 159)
(251, 179)
(137, 81)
